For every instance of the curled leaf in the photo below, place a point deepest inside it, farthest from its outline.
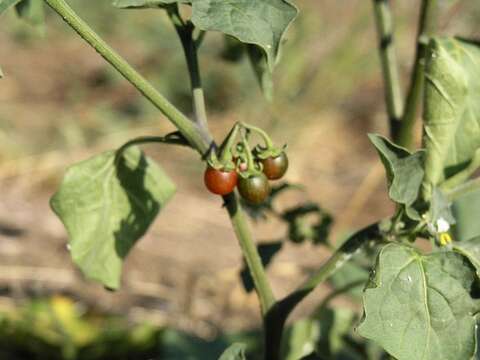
(404, 170)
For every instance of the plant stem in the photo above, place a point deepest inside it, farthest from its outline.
(426, 26)
(248, 153)
(250, 252)
(190, 49)
(277, 316)
(226, 146)
(168, 139)
(232, 203)
(199, 140)
(393, 90)
(263, 134)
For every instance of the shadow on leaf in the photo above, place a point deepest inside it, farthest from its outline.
(143, 206)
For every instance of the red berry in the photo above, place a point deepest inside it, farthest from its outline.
(220, 182)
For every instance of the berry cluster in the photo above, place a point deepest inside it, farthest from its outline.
(235, 165)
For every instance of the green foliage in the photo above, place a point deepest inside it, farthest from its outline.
(471, 250)
(451, 111)
(440, 210)
(233, 50)
(59, 329)
(106, 204)
(328, 334)
(404, 170)
(419, 306)
(235, 351)
(350, 273)
(261, 24)
(416, 306)
(179, 345)
(5, 4)
(465, 210)
(31, 10)
(300, 339)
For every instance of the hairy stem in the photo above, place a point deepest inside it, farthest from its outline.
(199, 140)
(277, 316)
(426, 26)
(393, 90)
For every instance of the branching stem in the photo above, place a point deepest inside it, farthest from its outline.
(198, 138)
(427, 23)
(189, 130)
(393, 90)
(190, 48)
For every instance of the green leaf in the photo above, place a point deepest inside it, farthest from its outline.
(325, 335)
(32, 11)
(440, 209)
(404, 170)
(300, 339)
(5, 4)
(352, 277)
(471, 250)
(107, 204)
(465, 209)
(452, 109)
(233, 50)
(419, 306)
(262, 22)
(178, 345)
(234, 352)
(335, 327)
(312, 356)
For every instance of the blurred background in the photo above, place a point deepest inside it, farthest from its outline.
(182, 297)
